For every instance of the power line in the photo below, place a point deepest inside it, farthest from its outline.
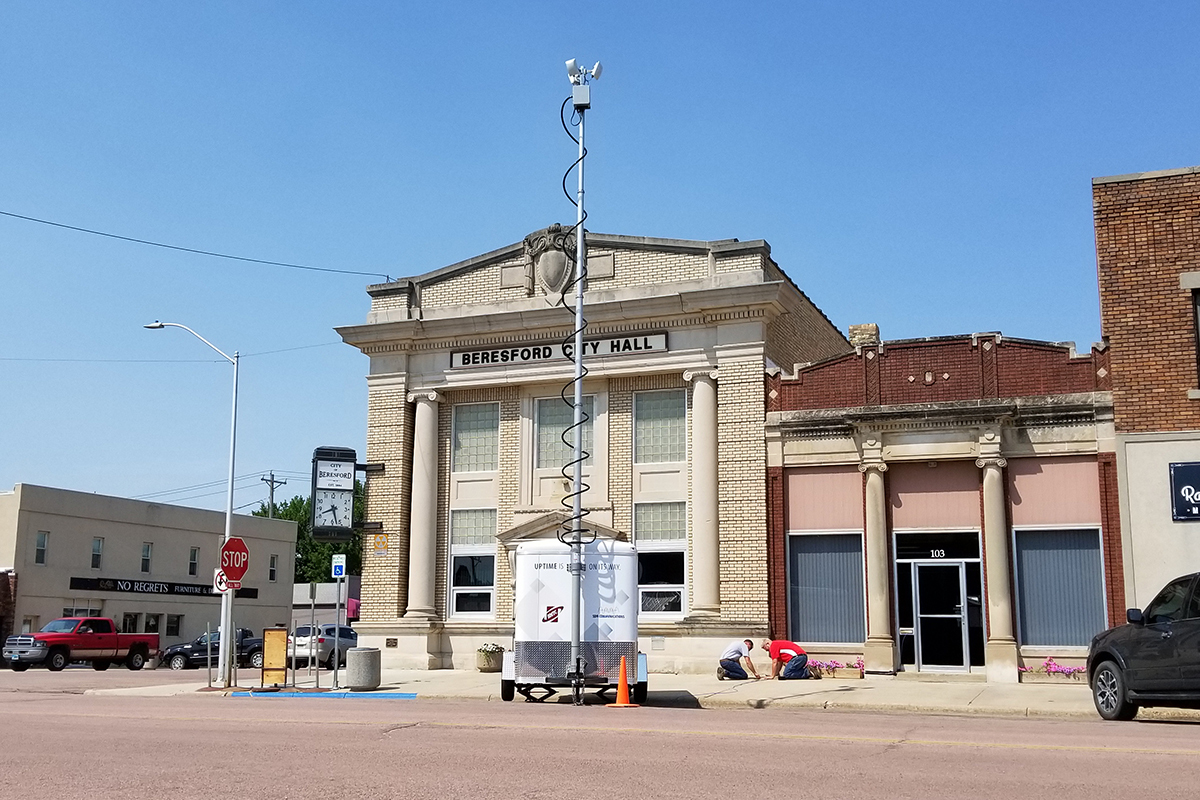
(159, 360)
(194, 250)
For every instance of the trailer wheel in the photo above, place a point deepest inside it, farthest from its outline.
(639, 692)
(508, 690)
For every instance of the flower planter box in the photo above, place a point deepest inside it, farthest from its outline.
(1041, 677)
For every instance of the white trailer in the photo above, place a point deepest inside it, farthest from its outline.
(540, 658)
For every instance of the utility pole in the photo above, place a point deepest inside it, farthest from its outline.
(272, 482)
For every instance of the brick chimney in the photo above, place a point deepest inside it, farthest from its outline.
(864, 335)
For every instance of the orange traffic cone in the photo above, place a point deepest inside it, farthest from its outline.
(623, 690)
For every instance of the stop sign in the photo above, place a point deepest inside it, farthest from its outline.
(235, 560)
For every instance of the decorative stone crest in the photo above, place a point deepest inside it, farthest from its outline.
(550, 258)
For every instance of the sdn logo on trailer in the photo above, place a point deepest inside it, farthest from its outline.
(552, 613)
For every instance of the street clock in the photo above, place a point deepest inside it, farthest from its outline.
(333, 494)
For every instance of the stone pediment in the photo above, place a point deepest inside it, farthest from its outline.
(548, 525)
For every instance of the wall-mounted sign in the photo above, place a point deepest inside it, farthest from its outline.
(152, 587)
(1185, 492)
(555, 351)
(333, 494)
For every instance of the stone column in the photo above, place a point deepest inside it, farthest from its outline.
(1001, 651)
(422, 530)
(879, 651)
(706, 557)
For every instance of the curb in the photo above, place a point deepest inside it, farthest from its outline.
(338, 695)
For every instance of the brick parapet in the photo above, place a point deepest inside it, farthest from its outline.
(1147, 236)
(944, 370)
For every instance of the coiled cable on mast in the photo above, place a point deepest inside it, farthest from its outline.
(572, 526)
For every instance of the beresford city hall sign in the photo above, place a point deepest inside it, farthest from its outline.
(557, 351)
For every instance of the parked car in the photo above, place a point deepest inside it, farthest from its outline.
(196, 652)
(303, 643)
(90, 639)
(1154, 660)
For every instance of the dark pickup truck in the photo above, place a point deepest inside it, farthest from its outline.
(91, 639)
(196, 653)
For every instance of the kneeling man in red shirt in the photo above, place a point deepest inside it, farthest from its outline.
(788, 660)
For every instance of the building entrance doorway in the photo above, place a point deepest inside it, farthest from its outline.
(939, 601)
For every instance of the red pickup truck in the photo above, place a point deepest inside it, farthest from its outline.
(93, 639)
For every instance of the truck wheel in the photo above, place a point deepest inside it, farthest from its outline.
(508, 690)
(256, 659)
(20, 667)
(177, 662)
(99, 665)
(58, 660)
(136, 660)
(639, 692)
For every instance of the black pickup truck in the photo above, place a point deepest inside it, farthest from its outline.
(196, 652)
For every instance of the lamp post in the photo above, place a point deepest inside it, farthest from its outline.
(225, 656)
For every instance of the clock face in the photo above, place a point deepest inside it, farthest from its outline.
(333, 508)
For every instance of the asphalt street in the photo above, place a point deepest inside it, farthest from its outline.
(200, 746)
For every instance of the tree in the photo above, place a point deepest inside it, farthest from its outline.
(312, 557)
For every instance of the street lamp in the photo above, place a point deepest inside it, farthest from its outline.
(228, 635)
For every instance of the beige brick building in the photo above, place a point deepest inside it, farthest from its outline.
(466, 368)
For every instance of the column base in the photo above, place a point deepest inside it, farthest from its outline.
(1003, 659)
(879, 655)
(704, 614)
(404, 643)
(419, 613)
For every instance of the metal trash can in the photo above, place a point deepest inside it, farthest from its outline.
(362, 669)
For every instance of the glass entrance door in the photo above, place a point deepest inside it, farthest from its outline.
(941, 617)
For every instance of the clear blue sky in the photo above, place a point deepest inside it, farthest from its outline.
(925, 166)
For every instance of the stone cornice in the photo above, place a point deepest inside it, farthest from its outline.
(484, 327)
(1053, 410)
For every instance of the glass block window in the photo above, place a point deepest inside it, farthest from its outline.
(476, 437)
(660, 426)
(473, 527)
(553, 418)
(658, 522)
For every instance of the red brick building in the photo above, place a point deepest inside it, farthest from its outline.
(1148, 257)
(944, 504)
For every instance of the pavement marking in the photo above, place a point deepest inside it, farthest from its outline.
(809, 737)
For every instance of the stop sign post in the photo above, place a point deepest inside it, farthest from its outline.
(235, 560)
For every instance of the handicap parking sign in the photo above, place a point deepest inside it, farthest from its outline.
(339, 565)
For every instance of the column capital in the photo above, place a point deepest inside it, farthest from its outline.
(428, 394)
(991, 461)
(701, 374)
(878, 466)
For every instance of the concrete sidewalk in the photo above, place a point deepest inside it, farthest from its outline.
(1070, 698)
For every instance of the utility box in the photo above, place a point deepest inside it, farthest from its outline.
(540, 657)
(275, 647)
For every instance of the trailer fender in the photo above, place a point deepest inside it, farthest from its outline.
(508, 669)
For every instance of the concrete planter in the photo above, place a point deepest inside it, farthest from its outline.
(1041, 677)
(489, 662)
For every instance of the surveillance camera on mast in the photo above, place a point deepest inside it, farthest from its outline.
(581, 95)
